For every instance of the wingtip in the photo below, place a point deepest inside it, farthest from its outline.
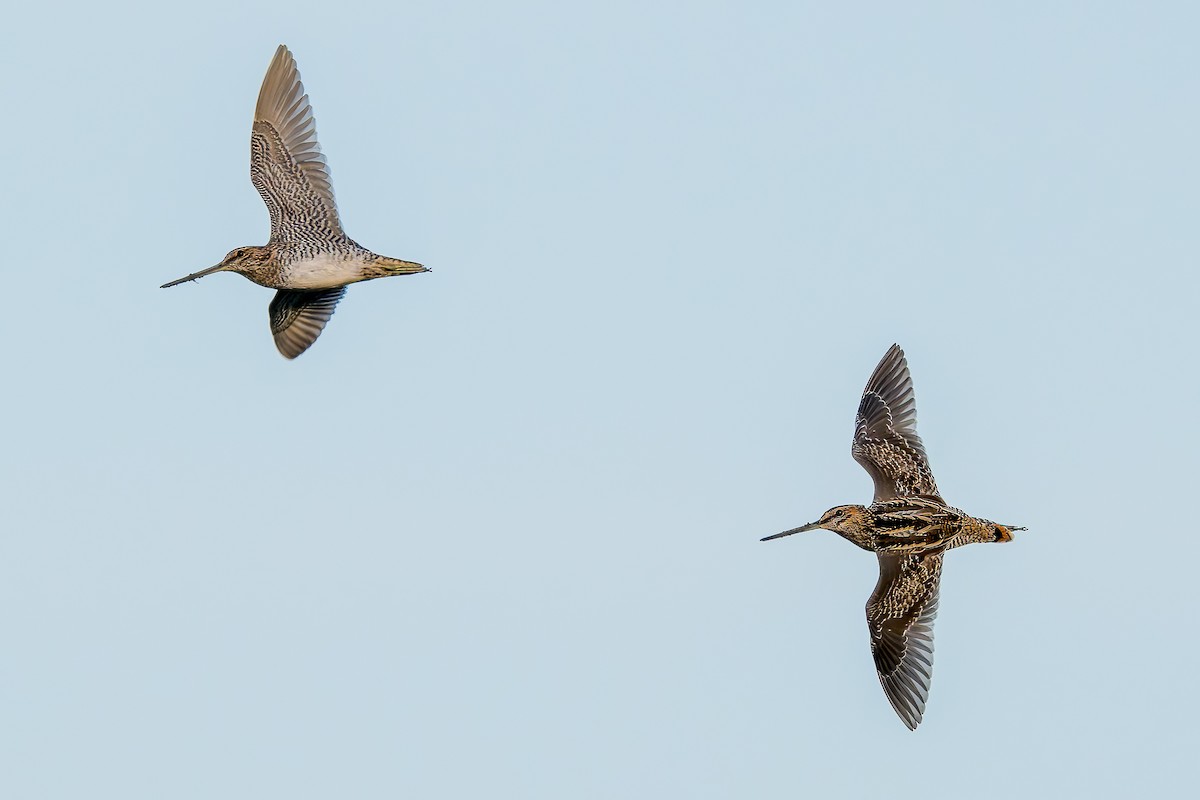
(908, 710)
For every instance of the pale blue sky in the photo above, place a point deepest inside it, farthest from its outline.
(495, 535)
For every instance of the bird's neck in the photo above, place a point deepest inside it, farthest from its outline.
(859, 538)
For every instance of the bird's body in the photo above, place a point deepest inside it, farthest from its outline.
(914, 526)
(289, 266)
(909, 527)
(309, 258)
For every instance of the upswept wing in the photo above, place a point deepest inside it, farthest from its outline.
(298, 317)
(286, 165)
(885, 433)
(900, 616)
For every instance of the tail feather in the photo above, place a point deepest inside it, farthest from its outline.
(396, 266)
(1004, 533)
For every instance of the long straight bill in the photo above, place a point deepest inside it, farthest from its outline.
(194, 275)
(809, 527)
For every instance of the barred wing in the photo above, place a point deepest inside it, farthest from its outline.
(286, 165)
(900, 616)
(885, 433)
(298, 317)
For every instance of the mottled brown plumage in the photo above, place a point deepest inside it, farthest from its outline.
(309, 258)
(909, 527)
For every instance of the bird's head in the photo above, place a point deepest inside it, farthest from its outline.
(843, 518)
(840, 519)
(243, 260)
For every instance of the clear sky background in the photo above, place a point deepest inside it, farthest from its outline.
(496, 534)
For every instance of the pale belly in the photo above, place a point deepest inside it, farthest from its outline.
(323, 272)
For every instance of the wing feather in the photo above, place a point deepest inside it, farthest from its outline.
(900, 616)
(298, 317)
(885, 433)
(286, 164)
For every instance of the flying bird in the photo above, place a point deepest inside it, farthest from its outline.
(909, 527)
(309, 258)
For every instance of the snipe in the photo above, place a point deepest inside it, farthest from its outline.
(909, 527)
(309, 258)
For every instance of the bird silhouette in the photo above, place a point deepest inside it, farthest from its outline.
(309, 258)
(909, 527)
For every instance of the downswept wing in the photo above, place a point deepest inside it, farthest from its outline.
(297, 318)
(900, 616)
(286, 165)
(885, 433)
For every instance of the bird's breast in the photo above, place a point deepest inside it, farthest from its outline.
(322, 271)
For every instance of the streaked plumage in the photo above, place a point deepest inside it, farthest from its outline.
(909, 527)
(309, 258)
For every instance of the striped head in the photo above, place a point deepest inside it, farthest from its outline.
(256, 263)
(845, 519)
(850, 522)
(252, 261)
